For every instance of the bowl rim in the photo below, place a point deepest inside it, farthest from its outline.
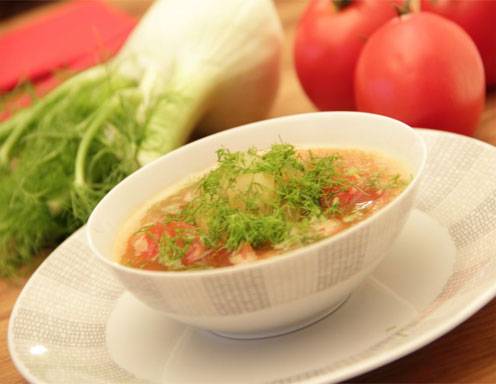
(285, 255)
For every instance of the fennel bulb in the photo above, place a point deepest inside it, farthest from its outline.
(188, 62)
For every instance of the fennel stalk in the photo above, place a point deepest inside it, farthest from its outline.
(62, 155)
(186, 60)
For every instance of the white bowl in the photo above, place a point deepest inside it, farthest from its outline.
(283, 293)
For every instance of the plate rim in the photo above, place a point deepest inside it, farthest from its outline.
(355, 369)
(23, 370)
(402, 350)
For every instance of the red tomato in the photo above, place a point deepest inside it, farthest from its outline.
(196, 251)
(354, 196)
(157, 230)
(328, 43)
(151, 241)
(151, 249)
(347, 198)
(422, 69)
(246, 251)
(142, 246)
(218, 258)
(477, 18)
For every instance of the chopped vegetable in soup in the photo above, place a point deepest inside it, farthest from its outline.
(255, 205)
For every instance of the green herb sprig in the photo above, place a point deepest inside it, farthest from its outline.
(283, 191)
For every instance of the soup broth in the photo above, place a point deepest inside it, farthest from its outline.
(254, 205)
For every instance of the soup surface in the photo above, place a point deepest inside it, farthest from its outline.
(255, 205)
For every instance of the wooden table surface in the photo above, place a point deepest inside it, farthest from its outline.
(465, 355)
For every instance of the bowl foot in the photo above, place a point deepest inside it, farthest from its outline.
(283, 330)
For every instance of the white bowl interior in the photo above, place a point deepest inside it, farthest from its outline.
(321, 129)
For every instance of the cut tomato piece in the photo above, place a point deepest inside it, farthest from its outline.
(146, 245)
(143, 246)
(244, 254)
(151, 250)
(218, 258)
(158, 229)
(352, 196)
(196, 251)
(348, 197)
(246, 251)
(176, 230)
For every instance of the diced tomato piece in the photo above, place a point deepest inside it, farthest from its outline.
(151, 250)
(246, 251)
(350, 196)
(174, 230)
(196, 251)
(158, 229)
(244, 254)
(142, 246)
(145, 246)
(218, 258)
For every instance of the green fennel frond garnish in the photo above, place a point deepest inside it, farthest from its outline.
(261, 198)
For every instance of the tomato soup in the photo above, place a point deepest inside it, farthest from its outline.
(254, 205)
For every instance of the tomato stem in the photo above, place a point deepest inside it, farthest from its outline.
(408, 6)
(341, 4)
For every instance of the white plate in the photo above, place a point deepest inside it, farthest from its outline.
(74, 323)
